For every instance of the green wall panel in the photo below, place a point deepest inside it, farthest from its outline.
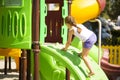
(43, 26)
(15, 24)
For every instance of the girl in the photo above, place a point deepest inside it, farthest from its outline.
(88, 38)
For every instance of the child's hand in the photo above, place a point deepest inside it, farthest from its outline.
(63, 49)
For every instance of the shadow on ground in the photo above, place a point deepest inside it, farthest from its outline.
(10, 75)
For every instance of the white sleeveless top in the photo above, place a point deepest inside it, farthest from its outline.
(84, 34)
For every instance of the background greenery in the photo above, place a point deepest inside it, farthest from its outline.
(112, 11)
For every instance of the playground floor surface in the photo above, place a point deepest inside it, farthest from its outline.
(11, 74)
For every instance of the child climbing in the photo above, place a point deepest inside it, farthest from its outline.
(88, 38)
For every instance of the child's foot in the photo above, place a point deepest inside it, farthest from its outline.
(91, 74)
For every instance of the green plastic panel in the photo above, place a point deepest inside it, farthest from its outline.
(15, 24)
(13, 2)
(64, 28)
(43, 26)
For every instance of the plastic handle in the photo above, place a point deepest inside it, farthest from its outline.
(9, 23)
(15, 24)
(45, 33)
(63, 12)
(23, 25)
(45, 10)
(62, 33)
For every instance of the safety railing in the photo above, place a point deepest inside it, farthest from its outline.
(114, 54)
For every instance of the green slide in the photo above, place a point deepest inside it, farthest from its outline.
(53, 63)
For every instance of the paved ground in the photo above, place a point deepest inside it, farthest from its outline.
(11, 75)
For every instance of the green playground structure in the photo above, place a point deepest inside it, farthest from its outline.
(53, 63)
(38, 25)
(15, 24)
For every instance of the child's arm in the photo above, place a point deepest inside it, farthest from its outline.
(69, 39)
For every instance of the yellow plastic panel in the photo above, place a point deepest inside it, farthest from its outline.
(83, 10)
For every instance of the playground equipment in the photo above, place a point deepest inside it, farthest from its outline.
(16, 32)
(110, 62)
(15, 24)
(57, 60)
(53, 72)
(10, 52)
(84, 10)
(14, 53)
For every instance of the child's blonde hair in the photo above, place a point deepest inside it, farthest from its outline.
(70, 20)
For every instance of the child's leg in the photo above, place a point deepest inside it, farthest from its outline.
(86, 60)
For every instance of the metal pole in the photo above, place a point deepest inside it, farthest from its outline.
(69, 7)
(23, 65)
(5, 70)
(9, 63)
(99, 49)
(69, 13)
(35, 36)
(67, 74)
(28, 65)
(20, 69)
(99, 37)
